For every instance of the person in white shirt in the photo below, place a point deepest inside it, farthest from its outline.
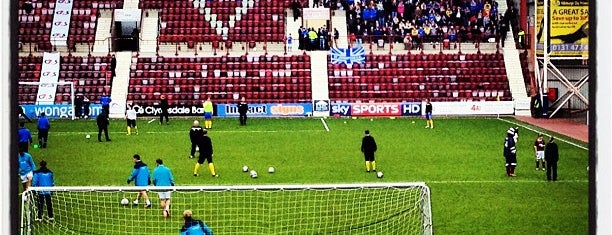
(130, 116)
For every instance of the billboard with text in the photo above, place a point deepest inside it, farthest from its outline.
(569, 28)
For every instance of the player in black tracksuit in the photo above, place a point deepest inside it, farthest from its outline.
(551, 155)
(243, 108)
(510, 150)
(102, 121)
(195, 135)
(368, 147)
(206, 153)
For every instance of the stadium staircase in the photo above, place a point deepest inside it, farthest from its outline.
(120, 84)
(292, 28)
(514, 70)
(149, 31)
(103, 33)
(319, 81)
(339, 22)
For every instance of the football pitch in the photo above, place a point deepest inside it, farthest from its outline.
(460, 160)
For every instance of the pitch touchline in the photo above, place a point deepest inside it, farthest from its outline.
(528, 128)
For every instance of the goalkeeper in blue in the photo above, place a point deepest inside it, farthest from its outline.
(194, 226)
(141, 177)
(162, 176)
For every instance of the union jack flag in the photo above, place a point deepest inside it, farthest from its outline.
(348, 55)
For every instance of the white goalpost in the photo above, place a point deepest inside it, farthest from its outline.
(380, 208)
(53, 86)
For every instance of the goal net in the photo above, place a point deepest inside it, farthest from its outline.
(49, 94)
(390, 208)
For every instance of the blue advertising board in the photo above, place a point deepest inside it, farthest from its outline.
(266, 110)
(57, 110)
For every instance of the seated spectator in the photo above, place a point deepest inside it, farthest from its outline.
(28, 7)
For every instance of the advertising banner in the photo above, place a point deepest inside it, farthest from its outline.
(49, 73)
(173, 110)
(61, 22)
(321, 105)
(569, 28)
(348, 55)
(473, 108)
(315, 13)
(58, 110)
(267, 110)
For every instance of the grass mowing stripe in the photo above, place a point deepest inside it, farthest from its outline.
(531, 129)
(61, 133)
(325, 125)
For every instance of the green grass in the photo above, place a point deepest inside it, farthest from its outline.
(461, 160)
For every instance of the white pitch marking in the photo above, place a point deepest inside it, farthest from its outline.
(152, 120)
(325, 125)
(528, 128)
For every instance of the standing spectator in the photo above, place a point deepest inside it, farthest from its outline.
(195, 135)
(105, 100)
(163, 104)
(25, 137)
(78, 106)
(503, 32)
(21, 113)
(510, 151)
(206, 153)
(368, 148)
(316, 3)
(162, 176)
(102, 121)
(43, 130)
(538, 147)
(428, 114)
(130, 117)
(290, 43)
(43, 177)
(551, 155)
(113, 68)
(26, 166)
(336, 37)
(140, 176)
(28, 7)
(296, 7)
(208, 113)
(86, 104)
(243, 108)
(193, 226)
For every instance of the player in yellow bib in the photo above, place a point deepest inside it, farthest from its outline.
(208, 113)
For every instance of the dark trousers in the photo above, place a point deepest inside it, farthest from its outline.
(551, 168)
(163, 114)
(193, 148)
(43, 135)
(106, 108)
(23, 146)
(243, 119)
(86, 110)
(39, 204)
(78, 111)
(105, 129)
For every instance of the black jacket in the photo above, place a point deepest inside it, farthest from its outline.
(195, 134)
(551, 154)
(243, 107)
(368, 144)
(102, 120)
(206, 148)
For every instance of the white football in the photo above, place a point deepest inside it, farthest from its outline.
(125, 201)
(245, 169)
(271, 170)
(253, 174)
(379, 174)
(87, 136)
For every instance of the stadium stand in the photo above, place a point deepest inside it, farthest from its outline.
(89, 74)
(188, 80)
(414, 77)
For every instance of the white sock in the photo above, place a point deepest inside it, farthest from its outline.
(136, 201)
(148, 202)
